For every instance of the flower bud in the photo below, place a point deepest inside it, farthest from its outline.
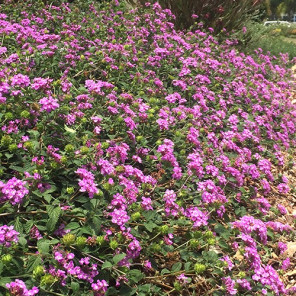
(194, 243)
(100, 240)
(25, 114)
(80, 242)
(69, 148)
(64, 159)
(6, 258)
(68, 239)
(38, 271)
(5, 140)
(113, 244)
(208, 234)
(12, 147)
(47, 280)
(70, 190)
(105, 145)
(199, 268)
(8, 115)
(135, 216)
(211, 241)
(84, 150)
(164, 229)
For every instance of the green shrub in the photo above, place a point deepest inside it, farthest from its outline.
(273, 39)
(227, 14)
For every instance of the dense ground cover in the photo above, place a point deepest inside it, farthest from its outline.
(137, 160)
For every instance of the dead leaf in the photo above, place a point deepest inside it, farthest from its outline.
(291, 249)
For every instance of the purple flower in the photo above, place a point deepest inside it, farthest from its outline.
(87, 182)
(282, 209)
(8, 235)
(100, 287)
(18, 288)
(229, 285)
(282, 247)
(48, 104)
(286, 264)
(13, 191)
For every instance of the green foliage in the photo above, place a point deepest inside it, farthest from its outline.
(275, 40)
(222, 15)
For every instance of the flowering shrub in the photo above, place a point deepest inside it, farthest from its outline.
(139, 160)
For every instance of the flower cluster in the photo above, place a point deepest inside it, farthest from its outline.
(13, 191)
(87, 182)
(18, 287)
(8, 235)
(126, 143)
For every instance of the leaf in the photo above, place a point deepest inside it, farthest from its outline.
(29, 224)
(72, 225)
(69, 130)
(17, 168)
(106, 264)
(22, 241)
(127, 291)
(177, 266)
(54, 216)
(75, 286)
(4, 281)
(164, 271)
(135, 275)
(47, 197)
(150, 226)
(33, 261)
(18, 226)
(210, 256)
(43, 246)
(118, 257)
(291, 249)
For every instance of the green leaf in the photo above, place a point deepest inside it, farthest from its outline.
(22, 241)
(17, 168)
(33, 261)
(150, 226)
(4, 281)
(72, 225)
(118, 257)
(43, 246)
(187, 266)
(177, 266)
(18, 226)
(69, 130)
(164, 271)
(210, 256)
(29, 224)
(54, 216)
(127, 291)
(47, 197)
(135, 275)
(75, 286)
(106, 264)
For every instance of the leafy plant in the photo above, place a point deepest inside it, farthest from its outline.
(225, 15)
(140, 160)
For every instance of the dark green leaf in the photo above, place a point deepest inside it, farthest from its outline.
(106, 264)
(33, 261)
(18, 226)
(54, 216)
(135, 275)
(118, 257)
(177, 266)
